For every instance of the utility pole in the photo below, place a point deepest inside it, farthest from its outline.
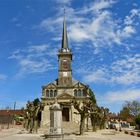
(14, 112)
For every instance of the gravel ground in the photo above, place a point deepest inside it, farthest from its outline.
(14, 134)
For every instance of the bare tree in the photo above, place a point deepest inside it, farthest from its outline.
(31, 115)
(82, 108)
(134, 107)
(85, 108)
(130, 111)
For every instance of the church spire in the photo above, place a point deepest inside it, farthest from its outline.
(64, 35)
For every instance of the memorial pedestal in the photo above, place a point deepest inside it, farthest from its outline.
(55, 132)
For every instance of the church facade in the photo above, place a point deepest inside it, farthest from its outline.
(65, 89)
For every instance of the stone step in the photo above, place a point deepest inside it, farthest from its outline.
(67, 127)
(70, 127)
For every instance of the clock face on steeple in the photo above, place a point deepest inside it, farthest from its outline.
(65, 64)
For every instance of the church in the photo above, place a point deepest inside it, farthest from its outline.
(65, 89)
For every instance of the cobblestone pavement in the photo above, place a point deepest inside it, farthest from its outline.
(13, 134)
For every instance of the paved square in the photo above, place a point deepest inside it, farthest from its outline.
(13, 134)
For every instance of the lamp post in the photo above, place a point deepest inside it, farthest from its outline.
(8, 118)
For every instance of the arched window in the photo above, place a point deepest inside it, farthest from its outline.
(55, 93)
(51, 93)
(82, 93)
(47, 93)
(79, 92)
(75, 92)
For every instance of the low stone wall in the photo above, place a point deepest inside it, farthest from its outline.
(133, 133)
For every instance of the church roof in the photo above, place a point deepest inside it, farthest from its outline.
(74, 83)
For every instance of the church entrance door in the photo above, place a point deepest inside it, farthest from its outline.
(65, 114)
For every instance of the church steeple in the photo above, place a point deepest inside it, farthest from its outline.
(64, 58)
(64, 35)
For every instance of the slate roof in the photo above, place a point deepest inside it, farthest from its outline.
(55, 82)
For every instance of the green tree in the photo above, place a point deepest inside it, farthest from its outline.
(125, 113)
(36, 102)
(137, 120)
(130, 110)
(91, 95)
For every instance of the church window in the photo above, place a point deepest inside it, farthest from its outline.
(82, 93)
(51, 93)
(79, 92)
(55, 93)
(47, 93)
(75, 92)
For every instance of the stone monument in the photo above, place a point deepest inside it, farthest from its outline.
(55, 132)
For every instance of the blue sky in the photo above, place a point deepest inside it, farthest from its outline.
(104, 36)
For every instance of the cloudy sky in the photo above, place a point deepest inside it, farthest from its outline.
(104, 36)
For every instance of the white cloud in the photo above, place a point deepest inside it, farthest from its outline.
(102, 28)
(34, 59)
(129, 30)
(63, 1)
(93, 23)
(101, 4)
(3, 77)
(15, 55)
(96, 6)
(79, 33)
(50, 24)
(96, 76)
(125, 71)
(130, 19)
(38, 48)
(90, 29)
(33, 66)
(124, 95)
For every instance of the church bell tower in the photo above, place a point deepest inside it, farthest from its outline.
(65, 59)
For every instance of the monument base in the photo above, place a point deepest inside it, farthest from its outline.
(54, 136)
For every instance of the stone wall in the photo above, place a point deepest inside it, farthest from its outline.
(45, 117)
